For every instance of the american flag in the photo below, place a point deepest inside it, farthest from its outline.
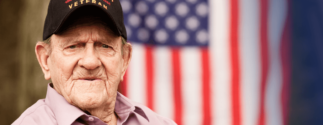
(210, 62)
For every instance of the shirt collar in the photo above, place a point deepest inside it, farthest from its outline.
(66, 114)
(125, 106)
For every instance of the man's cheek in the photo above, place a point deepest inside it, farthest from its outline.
(114, 68)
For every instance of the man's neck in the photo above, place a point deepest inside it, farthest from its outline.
(106, 114)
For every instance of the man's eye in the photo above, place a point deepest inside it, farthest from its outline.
(72, 47)
(105, 46)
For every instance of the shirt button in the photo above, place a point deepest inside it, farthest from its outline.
(91, 119)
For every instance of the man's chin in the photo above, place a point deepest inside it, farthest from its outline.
(89, 100)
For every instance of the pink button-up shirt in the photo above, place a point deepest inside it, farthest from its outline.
(55, 110)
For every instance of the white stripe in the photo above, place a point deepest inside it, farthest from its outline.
(277, 16)
(163, 100)
(136, 75)
(191, 85)
(220, 57)
(250, 61)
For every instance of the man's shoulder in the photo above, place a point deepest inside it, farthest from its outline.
(153, 117)
(37, 114)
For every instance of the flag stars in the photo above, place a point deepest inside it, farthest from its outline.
(171, 1)
(129, 31)
(134, 20)
(191, 1)
(182, 9)
(202, 36)
(161, 8)
(141, 8)
(192, 23)
(182, 36)
(161, 36)
(202, 9)
(151, 0)
(126, 6)
(151, 21)
(171, 22)
(143, 34)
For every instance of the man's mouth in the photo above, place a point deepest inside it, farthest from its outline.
(89, 79)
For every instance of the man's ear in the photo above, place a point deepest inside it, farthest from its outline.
(42, 52)
(127, 53)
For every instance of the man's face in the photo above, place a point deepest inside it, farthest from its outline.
(86, 65)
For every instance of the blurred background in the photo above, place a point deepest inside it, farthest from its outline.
(22, 81)
(217, 62)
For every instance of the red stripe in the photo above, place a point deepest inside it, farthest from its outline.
(264, 57)
(285, 58)
(235, 61)
(206, 87)
(150, 76)
(123, 84)
(177, 85)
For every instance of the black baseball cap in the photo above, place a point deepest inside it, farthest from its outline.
(62, 12)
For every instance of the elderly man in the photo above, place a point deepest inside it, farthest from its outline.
(85, 54)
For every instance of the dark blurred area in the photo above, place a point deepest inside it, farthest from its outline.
(22, 81)
(306, 101)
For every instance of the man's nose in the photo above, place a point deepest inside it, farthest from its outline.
(90, 59)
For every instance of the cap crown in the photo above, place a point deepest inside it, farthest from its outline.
(60, 10)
